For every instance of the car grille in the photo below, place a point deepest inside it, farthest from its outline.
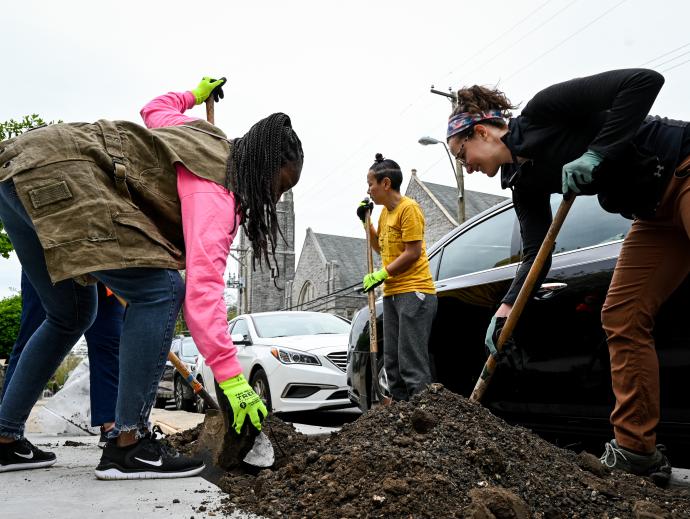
(339, 358)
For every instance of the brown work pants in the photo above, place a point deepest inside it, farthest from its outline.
(654, 261)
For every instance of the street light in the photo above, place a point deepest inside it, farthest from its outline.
(457, 171)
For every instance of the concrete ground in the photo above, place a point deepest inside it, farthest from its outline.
(70, 488)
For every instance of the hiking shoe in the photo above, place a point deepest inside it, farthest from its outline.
(655, 465)
(146, 459)
(22, 455)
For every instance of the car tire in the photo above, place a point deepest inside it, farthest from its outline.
(259, 382)
(199, 403)
(182, 403)
(160, 402)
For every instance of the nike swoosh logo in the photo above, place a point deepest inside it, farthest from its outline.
(27, 456)
(156, 463)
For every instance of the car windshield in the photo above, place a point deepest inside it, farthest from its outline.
(289, 323)
(188, 348)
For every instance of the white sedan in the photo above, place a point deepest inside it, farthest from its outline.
(294, 360)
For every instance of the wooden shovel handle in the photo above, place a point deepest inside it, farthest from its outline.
(523, 296)
(210, 111)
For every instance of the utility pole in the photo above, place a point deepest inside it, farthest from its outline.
(459, 179)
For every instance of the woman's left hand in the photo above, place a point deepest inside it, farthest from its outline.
(578, 173)
(207, 87)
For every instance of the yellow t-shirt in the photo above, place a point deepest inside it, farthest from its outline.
(403, 224)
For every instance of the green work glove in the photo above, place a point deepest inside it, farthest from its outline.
(578, 173)
(371, 281)
(364, 206)
(243, 401)
(493, 332)
(209, 86)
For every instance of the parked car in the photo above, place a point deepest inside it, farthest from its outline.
(557, 381)
(294, 360)
(172, 385)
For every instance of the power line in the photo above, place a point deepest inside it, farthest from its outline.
(676, 66)
(665, 54)
(567, 38)
(324, 296)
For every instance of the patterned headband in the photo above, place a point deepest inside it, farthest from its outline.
(464, 120)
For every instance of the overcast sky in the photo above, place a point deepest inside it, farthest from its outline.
(354, 76)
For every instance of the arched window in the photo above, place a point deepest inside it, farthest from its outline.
(306, 294)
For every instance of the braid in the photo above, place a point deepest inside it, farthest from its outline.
(256, 160)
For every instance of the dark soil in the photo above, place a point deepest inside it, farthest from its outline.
(438, 456)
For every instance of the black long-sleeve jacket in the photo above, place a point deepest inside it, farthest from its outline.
(605, 113)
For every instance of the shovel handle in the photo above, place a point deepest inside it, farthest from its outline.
(373, 333)
(210, 111)
(189, 378)
(523, 296)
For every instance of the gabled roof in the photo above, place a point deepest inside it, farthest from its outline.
(350, 253)
(475, 201)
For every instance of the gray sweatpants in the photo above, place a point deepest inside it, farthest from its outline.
(407, 320)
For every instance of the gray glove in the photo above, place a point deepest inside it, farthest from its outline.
(493, 332)
(578, 173)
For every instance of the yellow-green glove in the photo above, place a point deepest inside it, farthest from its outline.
(371, 281)
(209, 86)
(243, 401)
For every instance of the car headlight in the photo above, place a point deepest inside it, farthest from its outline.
(286, 356)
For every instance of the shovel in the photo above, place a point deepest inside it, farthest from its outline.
(373, 335)
(523, 296)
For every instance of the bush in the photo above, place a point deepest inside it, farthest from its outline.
(10, 314)
(62, 373)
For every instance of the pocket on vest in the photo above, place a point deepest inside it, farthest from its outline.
(65, 203)
(149, 232)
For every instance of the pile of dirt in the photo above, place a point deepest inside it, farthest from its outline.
(439, 456)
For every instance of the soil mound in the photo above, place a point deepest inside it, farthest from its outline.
(439, 456)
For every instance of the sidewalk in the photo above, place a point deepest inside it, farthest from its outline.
(69, 488)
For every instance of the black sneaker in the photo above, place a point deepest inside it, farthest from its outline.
(103, 438)
(22, 455)
(655, 465)
(146, 459)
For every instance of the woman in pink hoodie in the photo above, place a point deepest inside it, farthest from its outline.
(130, 206)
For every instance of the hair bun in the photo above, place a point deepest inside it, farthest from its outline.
(379, 157)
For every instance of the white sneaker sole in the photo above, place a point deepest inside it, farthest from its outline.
(27, 466)
(113, 474)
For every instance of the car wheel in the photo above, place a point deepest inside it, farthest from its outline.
(182, 403)
(199, 404)
(160, 402)
(259, 383)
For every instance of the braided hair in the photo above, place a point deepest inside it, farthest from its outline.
(387, 168)
(251, 171)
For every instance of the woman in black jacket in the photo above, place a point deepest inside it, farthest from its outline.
(593, 135)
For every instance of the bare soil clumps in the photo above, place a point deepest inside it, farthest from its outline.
(439, 456)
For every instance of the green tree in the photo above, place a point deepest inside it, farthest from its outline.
(9, 129)
(10, 313)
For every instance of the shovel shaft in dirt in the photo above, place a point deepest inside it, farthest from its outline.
(182, 369)
(523, 296)
(189, 378)
(373, 334)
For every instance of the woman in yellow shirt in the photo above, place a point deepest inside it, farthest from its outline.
(409, 295)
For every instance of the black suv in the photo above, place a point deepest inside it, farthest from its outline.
(557, 381)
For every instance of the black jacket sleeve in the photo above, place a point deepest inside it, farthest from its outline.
(534, 214)
(624, 96)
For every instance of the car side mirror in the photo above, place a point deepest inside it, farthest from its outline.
(239, 339)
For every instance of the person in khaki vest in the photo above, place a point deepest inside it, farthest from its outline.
(130, 206)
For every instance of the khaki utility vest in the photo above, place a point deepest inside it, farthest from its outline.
(104, 195)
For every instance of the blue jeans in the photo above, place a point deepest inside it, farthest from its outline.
(154, 296)
(102, 338)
